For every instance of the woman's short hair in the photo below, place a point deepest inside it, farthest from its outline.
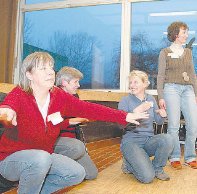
(141, 74)
(33, 60)
(67, 73)
(174, 29)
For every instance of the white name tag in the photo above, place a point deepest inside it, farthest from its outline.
(151, 103)
(55, 118)
(173, 55)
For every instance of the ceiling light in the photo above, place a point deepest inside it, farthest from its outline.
(189, 32)
(173, 14)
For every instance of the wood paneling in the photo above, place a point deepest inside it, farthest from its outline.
(6, 88)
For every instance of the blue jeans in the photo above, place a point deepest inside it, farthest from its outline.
(40, 172)
(181, 98)
(137, 150)
(76, 150)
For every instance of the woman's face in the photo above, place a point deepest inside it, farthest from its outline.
(182, 36)
(71, 86)
(137, 86)
(42, 76)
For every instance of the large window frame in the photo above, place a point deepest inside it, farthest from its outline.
(125, 31)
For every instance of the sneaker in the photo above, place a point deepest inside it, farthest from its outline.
(192, 164)
(176, 164)
(162, 176)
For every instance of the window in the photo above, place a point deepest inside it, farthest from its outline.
(107, 40)
(87, 38)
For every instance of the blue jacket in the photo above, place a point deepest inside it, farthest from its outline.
(129, 103)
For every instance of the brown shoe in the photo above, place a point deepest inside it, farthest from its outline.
(192, 164)
(176, 164)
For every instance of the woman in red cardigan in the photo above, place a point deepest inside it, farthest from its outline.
(36, 107)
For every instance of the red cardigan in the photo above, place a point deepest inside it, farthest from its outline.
(31, 131)
(70, 130)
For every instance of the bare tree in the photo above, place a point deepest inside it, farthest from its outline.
(78, 48)
(165, 42)
(28, 36)
(144, 56)
(116, 56)
(194, 52)
(27, 30)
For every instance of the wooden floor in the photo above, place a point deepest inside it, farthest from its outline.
(106, 155)
(113, 181)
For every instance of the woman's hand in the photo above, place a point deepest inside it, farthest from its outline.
(132, 117)
(143, 107)
(162, 104)
(162, 112)
(74, 121)
(8, 116)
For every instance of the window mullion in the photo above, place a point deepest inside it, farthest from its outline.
(19, 42)
(125, 45)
